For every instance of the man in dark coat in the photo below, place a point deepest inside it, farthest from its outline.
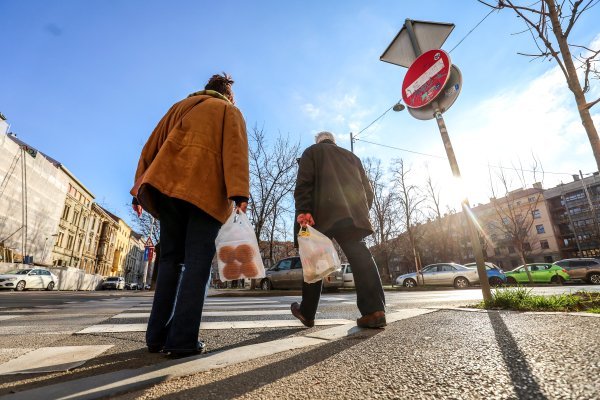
(334, 195)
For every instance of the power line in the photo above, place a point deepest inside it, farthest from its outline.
(375, 120)
(445, 158)
(471, 31)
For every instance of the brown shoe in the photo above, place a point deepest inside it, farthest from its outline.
(296, 313)
(373, 320)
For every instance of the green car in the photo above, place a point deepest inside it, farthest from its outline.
(540, 272)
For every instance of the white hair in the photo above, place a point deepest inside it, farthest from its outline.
(324, 136)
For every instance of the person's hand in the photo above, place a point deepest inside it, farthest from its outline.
(242, 206)
(137, 209)
(305, 219)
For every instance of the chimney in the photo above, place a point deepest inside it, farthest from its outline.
(537, 185)
(575, 177)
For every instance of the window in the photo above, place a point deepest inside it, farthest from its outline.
(93, 223)
(536, 214)
(284, 265)
(531, 199)
(540, 229)
(515, 263)
(84, 221)
(511, 249)
(526, 246)
(66, 210)
(505, 221)
(75, 217)
(445, 268)
(70, 242)
(494, 237)
(544, 244)
(496, 251)
(548, 259)
(59, 240)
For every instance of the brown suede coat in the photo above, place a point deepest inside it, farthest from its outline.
(198, 152)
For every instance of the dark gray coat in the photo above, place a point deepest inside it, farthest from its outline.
(333, 187)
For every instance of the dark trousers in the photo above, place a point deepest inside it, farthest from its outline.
(369, 291)
(187, 240)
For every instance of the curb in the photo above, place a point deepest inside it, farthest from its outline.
(479, 310)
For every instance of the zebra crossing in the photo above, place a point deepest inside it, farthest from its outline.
(118, 316)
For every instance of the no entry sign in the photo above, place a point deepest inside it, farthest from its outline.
(426, 78)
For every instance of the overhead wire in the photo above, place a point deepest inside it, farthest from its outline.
(445, 158)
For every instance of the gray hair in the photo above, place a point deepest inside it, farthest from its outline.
(324, 136)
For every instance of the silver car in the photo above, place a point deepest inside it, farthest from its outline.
(287, 274)
(442, 274)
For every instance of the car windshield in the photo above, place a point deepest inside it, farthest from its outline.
(21, 272)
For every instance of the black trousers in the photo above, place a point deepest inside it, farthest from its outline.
(187, 240)
(369, 291)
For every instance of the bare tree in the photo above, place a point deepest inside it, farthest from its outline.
(516, 211)
(550, 23)
(272, 179)
(146, 225)
(384, 213)
(410, 200)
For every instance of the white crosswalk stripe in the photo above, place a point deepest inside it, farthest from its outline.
(104, 317)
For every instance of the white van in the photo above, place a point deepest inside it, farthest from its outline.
(348, 277)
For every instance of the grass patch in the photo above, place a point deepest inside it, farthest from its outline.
(521, 299)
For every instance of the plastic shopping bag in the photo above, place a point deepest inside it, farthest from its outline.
(237, 250)
(319, 257)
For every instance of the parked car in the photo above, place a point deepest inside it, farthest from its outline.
(114, 282)
(30, 278)
(540, 273)
(495, 275)
(287, 274)
(132, 286)
(587, 269)
(446, 274)
(347, 276)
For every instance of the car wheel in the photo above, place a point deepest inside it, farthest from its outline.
(511, 281)
(20, 286)
(558, 280)
(495, 281)
(461, 282)
(594, 278)
(266, 284)
(50, 286)
(410, 283)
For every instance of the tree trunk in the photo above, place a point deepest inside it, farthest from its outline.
(573, 83)
(524, 261)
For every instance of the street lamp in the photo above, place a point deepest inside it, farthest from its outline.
(398, 107)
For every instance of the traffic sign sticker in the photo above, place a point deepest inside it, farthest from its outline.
(426, 78)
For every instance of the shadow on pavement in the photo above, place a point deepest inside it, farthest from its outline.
(240, 384)
(523, 380)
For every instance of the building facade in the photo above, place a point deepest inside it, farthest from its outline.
(121, 247)
(74, 226)
(134, 265)
(32, 194)
(106, 235)
(575, 212)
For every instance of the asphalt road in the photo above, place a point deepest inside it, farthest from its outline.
(48, 320)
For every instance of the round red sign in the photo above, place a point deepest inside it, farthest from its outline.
(426, 78)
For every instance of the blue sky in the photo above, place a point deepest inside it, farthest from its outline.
(87, 81)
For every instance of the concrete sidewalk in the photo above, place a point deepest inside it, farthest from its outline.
(445, 354)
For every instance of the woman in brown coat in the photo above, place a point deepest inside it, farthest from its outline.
(193, 165)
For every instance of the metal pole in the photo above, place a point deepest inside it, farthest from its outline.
(485, 285)
(477, 251)
(351, 142)
(591, 205)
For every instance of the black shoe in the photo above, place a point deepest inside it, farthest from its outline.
(309, 323)
(155, 349)
(201, 348)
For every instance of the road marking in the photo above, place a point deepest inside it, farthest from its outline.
(116, 328)
(225, 307)
(19, 311)
(214, 313)
(350, 329)
(7, 317)
(115, 382)
(51, 359)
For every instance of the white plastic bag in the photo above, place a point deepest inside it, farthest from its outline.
(319, 257)
(238, 254)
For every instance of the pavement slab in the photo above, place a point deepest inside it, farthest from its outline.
(51, 359)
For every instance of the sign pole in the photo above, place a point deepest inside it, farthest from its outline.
(477, 251)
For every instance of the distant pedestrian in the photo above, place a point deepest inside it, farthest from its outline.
(193, 165)
(333, 194)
